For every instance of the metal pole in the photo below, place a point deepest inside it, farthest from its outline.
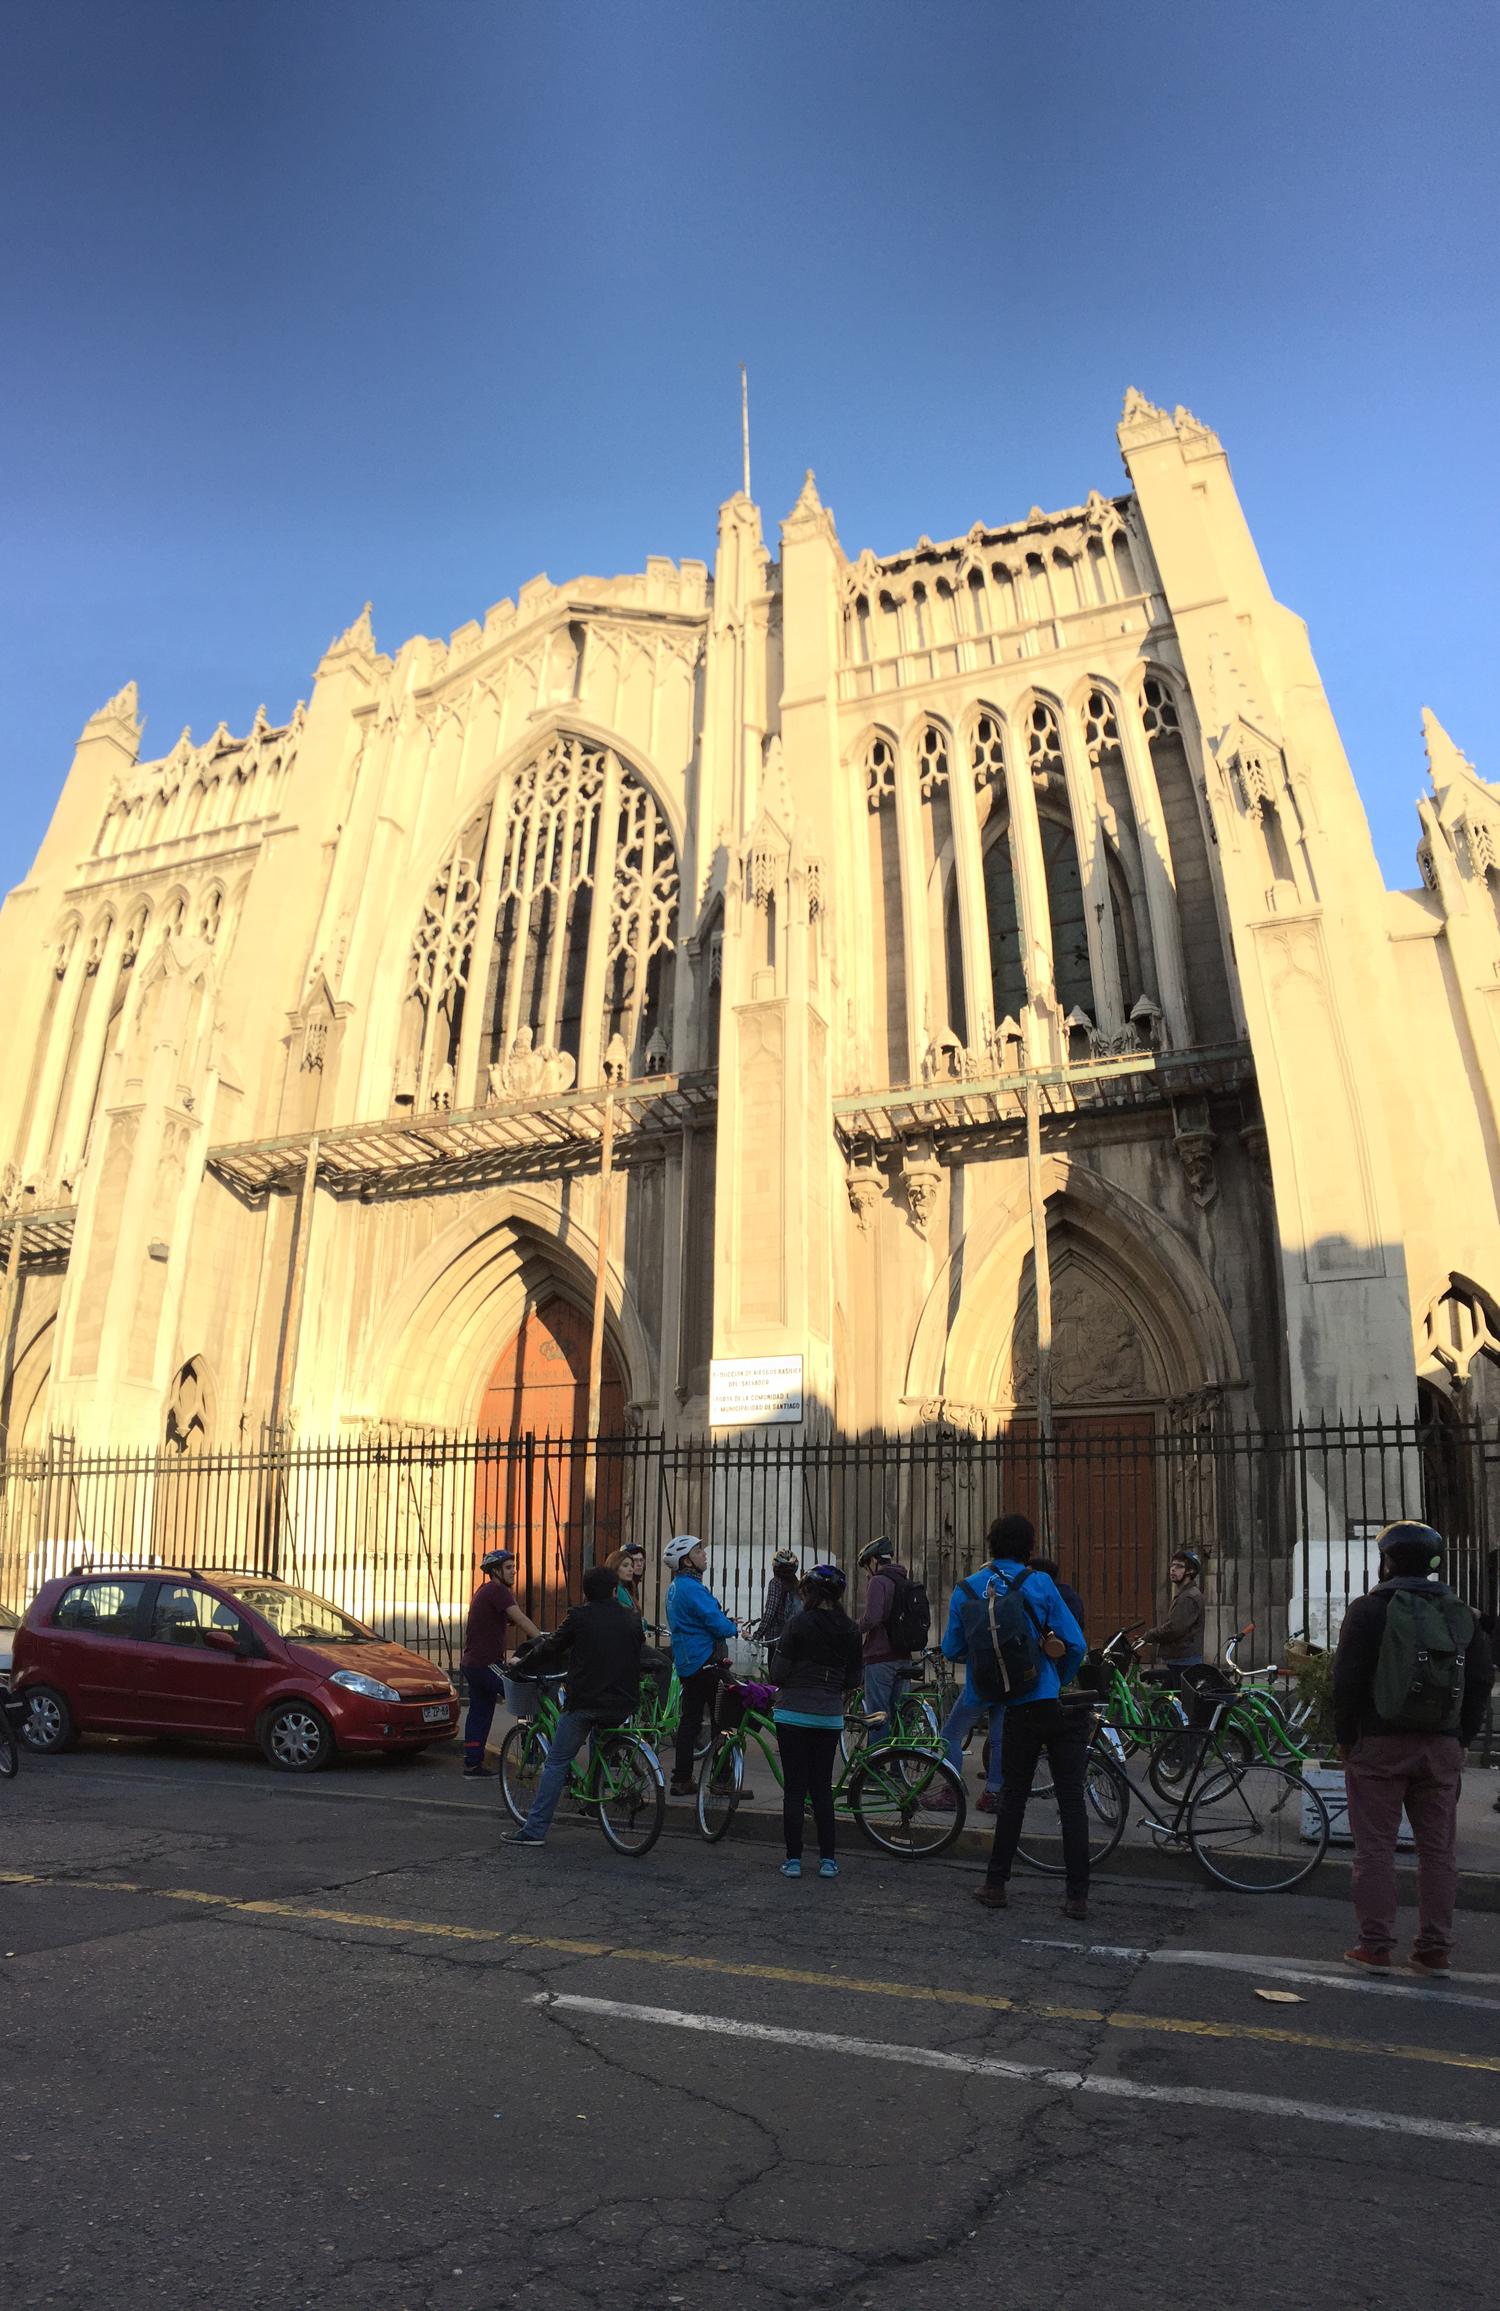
(1042, 1278)
(596, 1334)
(286, 1368)
(745, 422)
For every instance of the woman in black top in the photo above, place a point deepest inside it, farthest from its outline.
(818, 1661)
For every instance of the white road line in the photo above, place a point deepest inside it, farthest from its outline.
(1028, 2073)
(1283, 1970)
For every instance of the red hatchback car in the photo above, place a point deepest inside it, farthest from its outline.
(220, 1657)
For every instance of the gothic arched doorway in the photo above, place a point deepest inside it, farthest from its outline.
(536, 1473)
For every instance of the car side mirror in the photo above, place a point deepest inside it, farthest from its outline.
(224, 1641)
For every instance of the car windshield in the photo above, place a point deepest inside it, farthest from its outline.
(293, 1613)
(8, 1619)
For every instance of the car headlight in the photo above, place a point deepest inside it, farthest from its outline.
(355, 1681)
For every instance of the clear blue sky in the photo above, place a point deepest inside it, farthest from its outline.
(313, 300)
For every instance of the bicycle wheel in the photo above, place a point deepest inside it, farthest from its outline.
(10, 1748)
(1107, 1804)
(523, 1753)
(1259, 1831)
(627, 1786)
(917, 1726)
(890, 1796)
(721, 1777)
(854, 1734)
(1232, 1750)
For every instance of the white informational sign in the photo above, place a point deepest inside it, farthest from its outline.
(754, 1391)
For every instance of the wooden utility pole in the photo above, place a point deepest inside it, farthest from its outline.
(596, 1334)
(1041, 1268)
(12, 1273)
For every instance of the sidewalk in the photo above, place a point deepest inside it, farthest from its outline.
(1138, 1854)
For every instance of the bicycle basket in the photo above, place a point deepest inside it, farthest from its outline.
(523, 1695)
(730, 1705)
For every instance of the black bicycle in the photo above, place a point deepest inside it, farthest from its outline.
(1254, 1825)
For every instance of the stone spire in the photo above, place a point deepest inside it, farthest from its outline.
(119, 718)
(356, 641)
(1446, 765)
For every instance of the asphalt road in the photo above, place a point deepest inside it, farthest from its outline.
(271, 2043)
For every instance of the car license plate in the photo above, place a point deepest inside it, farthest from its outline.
(438, 1713)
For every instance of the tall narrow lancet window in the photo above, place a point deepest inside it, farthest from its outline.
(547, 942)
(888, 958)
(1202, 942)
(1127, 882)
(945, 948)
(1002, 914)
(1073, 978)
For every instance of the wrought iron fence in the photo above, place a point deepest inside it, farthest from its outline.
(392, 1526)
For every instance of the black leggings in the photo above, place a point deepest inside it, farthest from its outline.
(807, 1755)
(698, 1691)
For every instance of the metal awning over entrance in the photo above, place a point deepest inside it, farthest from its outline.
(476, 1144)
(45, 1236)
(950, 1109)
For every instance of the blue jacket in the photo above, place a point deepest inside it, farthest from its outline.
(1041, 1594)
(697, 1621)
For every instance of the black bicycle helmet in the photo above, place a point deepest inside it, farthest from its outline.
(1412, 1548)
(829, 1577)
(875, 1552)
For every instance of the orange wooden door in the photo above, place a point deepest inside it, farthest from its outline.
(531, 1494)
(1102, 1479)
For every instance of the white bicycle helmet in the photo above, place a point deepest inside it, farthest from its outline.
(682, 1546)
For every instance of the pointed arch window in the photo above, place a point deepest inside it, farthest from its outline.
(1071, 972)
(548, 934)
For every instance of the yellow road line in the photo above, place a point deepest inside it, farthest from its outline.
(745, 1970)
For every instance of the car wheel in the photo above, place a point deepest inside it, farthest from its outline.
(48, 1724)
(296, 1737)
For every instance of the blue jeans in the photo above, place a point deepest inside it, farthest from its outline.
(485, 1689)
(961, 1717)
(573, 1731)
(884, 1682)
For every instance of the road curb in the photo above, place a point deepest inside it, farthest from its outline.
(1478, 1890)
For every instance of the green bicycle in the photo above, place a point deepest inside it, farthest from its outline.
(889, 1790)
(1256, 1725)
(914, 1722)
(622, 1782)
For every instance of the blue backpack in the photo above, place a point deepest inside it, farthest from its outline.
(1002, 1640)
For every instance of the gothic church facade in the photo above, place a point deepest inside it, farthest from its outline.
(800, 878)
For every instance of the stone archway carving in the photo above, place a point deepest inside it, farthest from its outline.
(429, 1358)
(1106, 1243)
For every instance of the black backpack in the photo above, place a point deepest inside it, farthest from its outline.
(910, 1618)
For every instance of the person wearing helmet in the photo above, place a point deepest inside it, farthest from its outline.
(887, 1665)
(781, 1600)
(1411, 1678)
(816, 1664)
(699, 1627)
(495, 1624)
(1179, 1638)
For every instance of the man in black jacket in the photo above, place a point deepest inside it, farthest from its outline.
(1388, 1765)
(601, 1643)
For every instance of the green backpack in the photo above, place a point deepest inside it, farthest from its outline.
(1419, 1675)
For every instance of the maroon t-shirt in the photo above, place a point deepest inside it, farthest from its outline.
(487, 1637)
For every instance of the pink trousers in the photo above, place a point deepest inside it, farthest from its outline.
(1422, 1772)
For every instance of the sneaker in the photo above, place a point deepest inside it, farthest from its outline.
(828, 1867)
(1430, 1962)
(522, 1838)
(992, 1897)
(986, 1802)
(1074, 1907)
(479, 1773)
(791, 1869)
(1374, 1961)
(682, 1789)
